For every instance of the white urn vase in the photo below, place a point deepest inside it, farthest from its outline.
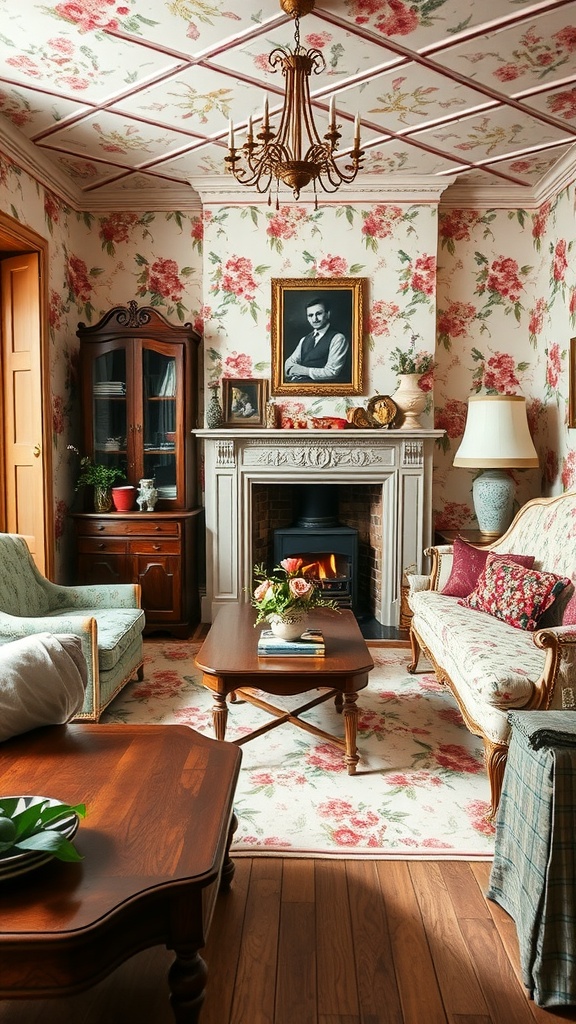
(410, 400)
(287, 627)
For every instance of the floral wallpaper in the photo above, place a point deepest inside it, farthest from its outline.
(392, 247)
(490, 293)
(506, 311)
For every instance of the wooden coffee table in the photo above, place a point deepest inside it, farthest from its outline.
(229, 662)
(155, 842)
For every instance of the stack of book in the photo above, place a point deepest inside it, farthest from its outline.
(310, 644)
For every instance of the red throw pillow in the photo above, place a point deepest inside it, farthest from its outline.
(517, 595)
(468, 563)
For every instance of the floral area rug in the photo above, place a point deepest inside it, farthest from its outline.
(420, 789)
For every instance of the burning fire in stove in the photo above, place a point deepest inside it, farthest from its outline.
(332, 573)
(323, 568)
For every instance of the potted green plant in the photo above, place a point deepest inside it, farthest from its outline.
(100, 477)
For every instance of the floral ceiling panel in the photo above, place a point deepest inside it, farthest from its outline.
(390, 102)
(136, 95)
(537, 51)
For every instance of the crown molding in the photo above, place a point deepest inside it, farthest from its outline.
(162, 199)
(162, 196)
(502, 197)
(499, 197)
(564, 175)
(29, 158)
(368, 189)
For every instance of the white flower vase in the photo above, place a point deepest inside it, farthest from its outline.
(287, 627)
(410, 400)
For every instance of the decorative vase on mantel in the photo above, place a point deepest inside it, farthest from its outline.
(214, 413)
(287, 627)
(410, 400)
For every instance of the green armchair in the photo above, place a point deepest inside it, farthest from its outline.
(108, 620)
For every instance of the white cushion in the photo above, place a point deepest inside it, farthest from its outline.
(42, 682)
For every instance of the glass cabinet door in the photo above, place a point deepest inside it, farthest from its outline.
(109, 409)
(159, 380)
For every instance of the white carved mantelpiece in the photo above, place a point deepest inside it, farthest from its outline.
(399, 461)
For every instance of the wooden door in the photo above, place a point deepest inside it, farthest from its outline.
(22, 402)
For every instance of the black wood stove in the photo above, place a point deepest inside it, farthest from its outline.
(329, 550)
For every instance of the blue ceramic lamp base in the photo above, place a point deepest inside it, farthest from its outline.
(493, 493)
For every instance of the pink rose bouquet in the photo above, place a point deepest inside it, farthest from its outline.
(286, 591)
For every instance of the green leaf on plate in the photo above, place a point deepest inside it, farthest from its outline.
(37, 826)
(50, 842)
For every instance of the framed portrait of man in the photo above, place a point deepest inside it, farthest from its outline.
(317, 336)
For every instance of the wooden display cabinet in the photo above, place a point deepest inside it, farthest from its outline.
(139, 392)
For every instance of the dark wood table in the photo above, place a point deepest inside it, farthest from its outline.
(229, 662)
(155, 842)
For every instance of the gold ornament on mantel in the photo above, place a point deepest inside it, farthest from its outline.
(381, 411)
(295, 154)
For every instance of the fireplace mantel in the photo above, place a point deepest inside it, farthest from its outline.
(400, 461)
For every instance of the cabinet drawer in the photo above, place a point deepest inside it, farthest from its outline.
(96, 545)
(149, 528)
(128, 528)
(160, 546)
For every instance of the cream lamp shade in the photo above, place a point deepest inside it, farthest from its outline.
(496, 438)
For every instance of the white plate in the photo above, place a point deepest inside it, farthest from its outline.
(13, 864)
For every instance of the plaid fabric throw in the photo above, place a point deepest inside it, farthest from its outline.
(546, 728)
(533, 875)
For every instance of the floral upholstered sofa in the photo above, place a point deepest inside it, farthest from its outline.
(500, 634)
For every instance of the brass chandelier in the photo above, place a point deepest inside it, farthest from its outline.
(295, 155)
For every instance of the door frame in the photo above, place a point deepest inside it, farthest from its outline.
(15, 239)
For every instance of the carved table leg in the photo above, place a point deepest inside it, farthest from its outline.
(229, 866)
(350, 729)
(219, 715)
(187, 982)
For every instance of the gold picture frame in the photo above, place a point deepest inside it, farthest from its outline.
(572, 385)
(335, 306)
(244, 401)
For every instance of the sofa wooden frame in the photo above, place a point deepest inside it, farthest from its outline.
(554, 641)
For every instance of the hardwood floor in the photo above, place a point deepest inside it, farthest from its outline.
(299, 941)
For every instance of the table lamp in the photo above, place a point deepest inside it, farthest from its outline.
(496, 438)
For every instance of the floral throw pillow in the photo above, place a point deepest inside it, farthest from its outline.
(517, 595)
(468, 563)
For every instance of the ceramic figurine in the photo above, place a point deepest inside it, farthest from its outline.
(147, 495)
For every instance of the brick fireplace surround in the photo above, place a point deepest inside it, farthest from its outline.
(396, 464)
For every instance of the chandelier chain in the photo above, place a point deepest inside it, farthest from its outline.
(297, 34)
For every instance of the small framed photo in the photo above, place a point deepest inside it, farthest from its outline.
(572, 385)
(244, 401)
(317, 326)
